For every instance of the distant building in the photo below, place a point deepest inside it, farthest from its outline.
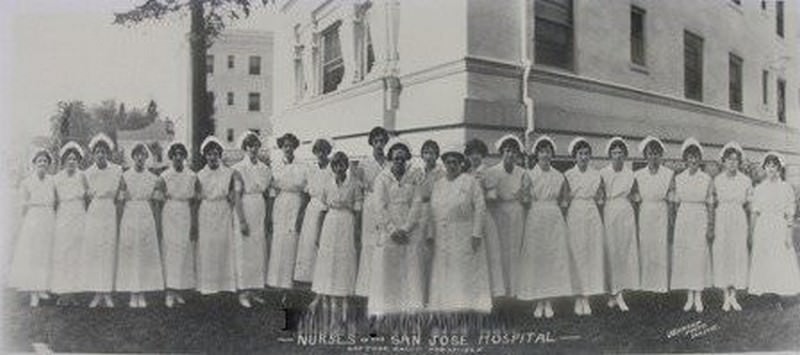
(452, 70)
(239, 71)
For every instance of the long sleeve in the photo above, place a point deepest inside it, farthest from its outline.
(479, 209)
(789, 205)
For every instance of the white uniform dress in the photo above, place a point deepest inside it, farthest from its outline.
(691, 258)
(216, 270)
(335, 266)
(99, 250)
(312, 220)
(729, 250)
(494, 251)
(585, 229)
(31, 265)
(506, 208)
(289, 180)
(369, 229)
(622, 246)
(773, 267)
(139, 265)
(544, 260)
(459, 275)
(653, 249)
(250, 252)
(426, 223)
(69, 232)
(397, 284)
(177, 248)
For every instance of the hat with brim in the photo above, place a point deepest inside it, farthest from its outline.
(731, 145)
(209, 141)
(73, 146)
(649, 139)
(499, 143)
(101, 137)
(613, 141)
(775, 154)
(540, 140)
(574, 143)
(690, 142)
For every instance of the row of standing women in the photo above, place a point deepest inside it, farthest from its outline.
(436, 238)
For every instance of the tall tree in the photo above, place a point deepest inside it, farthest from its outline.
(207, 19)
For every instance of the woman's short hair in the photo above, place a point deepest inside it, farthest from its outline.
(476, 146)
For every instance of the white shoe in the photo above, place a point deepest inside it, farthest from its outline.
(244, 301)
(170, 301)
(578, 307)
(133, 303)
(612, 302)
(548, 310)
(726, 306)
(34, 300)
(688, 306)
(698, 306)
(735, 304)
(142, 302)
(538, 312)
(95, 301)
(620, 300)
(587, 309)
(44, 295)
(109, 302)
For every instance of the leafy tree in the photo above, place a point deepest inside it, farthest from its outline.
(207, 19)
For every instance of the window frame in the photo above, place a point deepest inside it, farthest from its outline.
(209, 64)
(251, 107)
(780, 101)
(780, 18)
(640, 57)
(231, 98)
(231, 61)
(547, 51)
(691, 92)
(331, 65)
(735, 84)
(257, 66)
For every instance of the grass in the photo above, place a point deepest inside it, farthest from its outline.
(217, 324)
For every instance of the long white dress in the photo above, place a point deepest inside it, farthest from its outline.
(250, 252)
(312, 220)
(426, 222)
(773, 267)
(139, 265)
(508, 212)
(729, 251)
(369, 229)
(99, 250)
(494, 251)
(459, 275)
(585, 230)
(216, 269)
(289, 180)
(177, 248)
(31, 263)
(397, 284)
(335, 266)
(653, 249)
(69, 232)
(544, 268)
(691, 258)
(622, 246)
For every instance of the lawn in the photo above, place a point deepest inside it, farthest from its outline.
(218, 324)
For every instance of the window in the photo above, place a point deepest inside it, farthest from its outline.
(254, 101)
(230, 99)
(210, 97)
(553, 33)
(255, 65)
(332, 62)
(365, 57)
(230, 62)
(230, 135)
(735, 82)
(637, 36)
(779, 17)
(692, 66)
(737, 2)
(764, 87)
(763, 4)
(209, 64)
(781, 100)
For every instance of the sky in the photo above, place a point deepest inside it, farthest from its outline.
(53, 50)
